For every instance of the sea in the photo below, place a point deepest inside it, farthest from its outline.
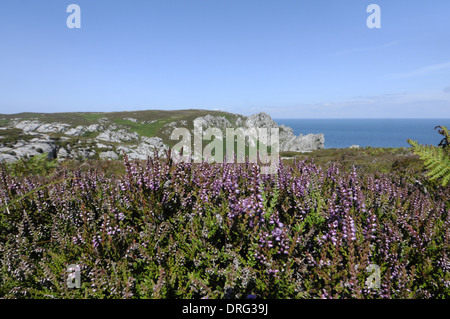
(343, 133)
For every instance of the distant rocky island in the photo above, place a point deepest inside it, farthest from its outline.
(110, 135)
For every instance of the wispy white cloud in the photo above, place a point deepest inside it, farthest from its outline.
(427, 70)
(433, 103)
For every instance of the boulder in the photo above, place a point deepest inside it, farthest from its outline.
(118, 136)
(209, 120)
(302, 143)
(288, 140)
(7, 158)
(27, 126)
(260, 120)
(35, 147)
(52, 128)
(62, 154)
(109, 155)
(76, 131)
(101, 145)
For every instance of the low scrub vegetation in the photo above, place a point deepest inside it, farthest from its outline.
(158, 230)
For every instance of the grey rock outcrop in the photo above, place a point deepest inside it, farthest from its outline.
(39, 127)
(27, 126)
(169, 127)
(53, 127)
(109, 155)
(212, 121)
(7, 158)
(262, 120)
(30, 148)
(103, 146)
(145, 149)
(287, 139)
(303, 143)
(80, 129)
(62, 154)
(118, 136)
(83, 152)
(76, 131)
(111, 140)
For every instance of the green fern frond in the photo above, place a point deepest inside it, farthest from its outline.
(436, 161)
(443, 130)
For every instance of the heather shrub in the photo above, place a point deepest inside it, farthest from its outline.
(161, 230)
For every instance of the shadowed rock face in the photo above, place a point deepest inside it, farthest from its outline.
(108, 140)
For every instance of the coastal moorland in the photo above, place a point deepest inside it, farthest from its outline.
(363, 223)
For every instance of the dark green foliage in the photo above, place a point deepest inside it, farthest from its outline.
(365, 160)
(10, 136)
(436, 159)
(34, 165)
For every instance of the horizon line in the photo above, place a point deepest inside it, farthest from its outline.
(223, 111)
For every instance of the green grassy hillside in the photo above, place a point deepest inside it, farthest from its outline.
(147, 123)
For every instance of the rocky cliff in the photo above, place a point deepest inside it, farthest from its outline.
(138, 134)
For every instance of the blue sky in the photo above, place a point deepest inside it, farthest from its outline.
(289, 58)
